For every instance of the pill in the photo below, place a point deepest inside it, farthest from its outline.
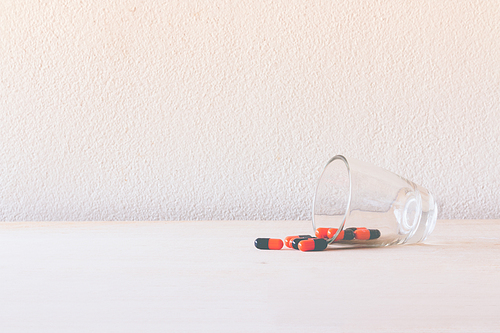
(333, 231)
(374, 233)
(322, 232)
(296, 241)
(289, 239)
(366, 234)
(268, 243)
(354, 228)
(317, 244)
(348, 235)
(343, 235)
(362, 234)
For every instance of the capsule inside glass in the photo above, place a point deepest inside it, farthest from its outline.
(354, 194)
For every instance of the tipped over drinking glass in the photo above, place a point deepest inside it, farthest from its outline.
(363, 205)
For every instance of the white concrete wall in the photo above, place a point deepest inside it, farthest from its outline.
(203, 109)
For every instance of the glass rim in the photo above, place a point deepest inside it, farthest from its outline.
(348, 206)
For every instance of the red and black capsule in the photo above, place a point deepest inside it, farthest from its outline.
(268, 244)
(374, 233)
(296, 241)
(343, 235)
(366, 234)
(348, 235)
(313, 244)
(322, 232)
(354, 228)
(289, 239)
(332, 231)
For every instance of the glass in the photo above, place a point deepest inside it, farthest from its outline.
(353, 194)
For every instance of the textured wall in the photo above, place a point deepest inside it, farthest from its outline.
(147, 110)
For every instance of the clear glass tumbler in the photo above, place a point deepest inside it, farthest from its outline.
(354, 195)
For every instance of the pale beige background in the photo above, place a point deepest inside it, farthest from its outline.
(152, 110)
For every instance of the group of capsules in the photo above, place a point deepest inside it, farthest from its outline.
(319, 242)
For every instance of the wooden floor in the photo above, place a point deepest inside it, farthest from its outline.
(208, 277)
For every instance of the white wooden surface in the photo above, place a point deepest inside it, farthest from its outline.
(208, 277)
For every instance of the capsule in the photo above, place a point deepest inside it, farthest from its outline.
(348, 235)
(374, 233)
(322, 232)
(354, 228)
(343, 235)
(366, 234)
(317, 244)
(268, 244)
(289, 239)
(333, 231)
(296, 241)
